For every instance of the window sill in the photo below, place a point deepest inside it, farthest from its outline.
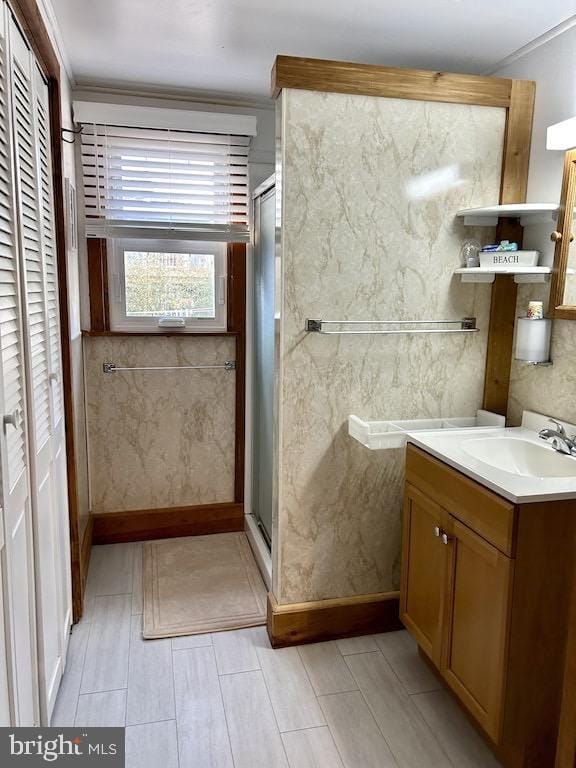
(152, 334)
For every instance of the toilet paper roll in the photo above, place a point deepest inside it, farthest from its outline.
(533, 340)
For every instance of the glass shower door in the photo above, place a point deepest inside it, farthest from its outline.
(263, 360)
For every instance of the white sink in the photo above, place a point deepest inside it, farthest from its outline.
(520, 457)
(512, 461)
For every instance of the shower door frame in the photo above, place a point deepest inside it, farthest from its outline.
(259, 540)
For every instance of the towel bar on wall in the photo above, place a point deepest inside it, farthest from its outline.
(229, 365)
(466, 325)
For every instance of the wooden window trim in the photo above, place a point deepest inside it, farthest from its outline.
(100, 305)
(153, 335)
(98, 284)
(237, 324)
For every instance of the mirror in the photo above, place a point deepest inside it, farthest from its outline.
(563, 287)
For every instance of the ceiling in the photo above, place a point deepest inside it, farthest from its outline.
(229, 46)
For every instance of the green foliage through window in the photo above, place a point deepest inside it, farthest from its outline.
(169, 284)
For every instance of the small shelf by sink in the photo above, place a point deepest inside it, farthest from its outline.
(382, 435)
(521, 274)
(528, 213)
(488, 274)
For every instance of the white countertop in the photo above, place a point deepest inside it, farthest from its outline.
(520, 489)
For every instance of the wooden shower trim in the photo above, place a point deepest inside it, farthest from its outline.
(516, 96)
(391, 82)
(514, 183)
(236, 323)
(332, 619)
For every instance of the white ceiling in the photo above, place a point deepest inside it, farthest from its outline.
(229, 46)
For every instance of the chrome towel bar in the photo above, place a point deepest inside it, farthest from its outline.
(467, 325)
(229, 365)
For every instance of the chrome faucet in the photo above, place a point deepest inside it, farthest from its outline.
(558, 438)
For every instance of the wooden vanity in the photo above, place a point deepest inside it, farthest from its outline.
(485, 593)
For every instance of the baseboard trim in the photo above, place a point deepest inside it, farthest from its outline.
(297, 623)
(85, 551)
(171, 522)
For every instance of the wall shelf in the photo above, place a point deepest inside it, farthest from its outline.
(381, 435)
(488, 274)
(528, 213)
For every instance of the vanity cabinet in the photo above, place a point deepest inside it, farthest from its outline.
(485, 594)
(478, 598)
(424, 571)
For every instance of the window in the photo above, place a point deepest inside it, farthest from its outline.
(155, 284)
(167, 189)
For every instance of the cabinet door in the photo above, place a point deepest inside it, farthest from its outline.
(424, 559)
(476, 624)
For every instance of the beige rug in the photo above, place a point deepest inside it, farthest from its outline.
(201, 584)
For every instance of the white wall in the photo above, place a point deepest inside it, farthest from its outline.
(553, 67)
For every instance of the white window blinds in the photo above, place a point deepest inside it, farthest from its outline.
(146, 182)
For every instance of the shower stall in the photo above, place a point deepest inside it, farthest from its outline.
(262, 322)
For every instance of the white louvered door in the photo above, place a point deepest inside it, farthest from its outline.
(17, 553)
(59, 520)
(35, 219)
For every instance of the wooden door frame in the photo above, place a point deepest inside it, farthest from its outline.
(36, 34)
(516, 96)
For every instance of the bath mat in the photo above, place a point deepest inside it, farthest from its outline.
(201, 584)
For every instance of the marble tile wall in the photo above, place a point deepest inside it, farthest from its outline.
(159, 439)
(545, 390)
(370, 187)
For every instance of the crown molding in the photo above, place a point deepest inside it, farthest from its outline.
(556, 31)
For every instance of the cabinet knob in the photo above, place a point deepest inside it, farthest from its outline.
(13, 419)
(446, 538)
(556, 237)
(437, 531)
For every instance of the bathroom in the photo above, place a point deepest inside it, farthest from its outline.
(291, 470)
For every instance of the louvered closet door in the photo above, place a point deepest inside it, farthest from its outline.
(60, 520)
(17, 553)
(37, 259)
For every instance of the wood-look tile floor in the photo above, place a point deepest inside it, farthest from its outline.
(228, 700)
